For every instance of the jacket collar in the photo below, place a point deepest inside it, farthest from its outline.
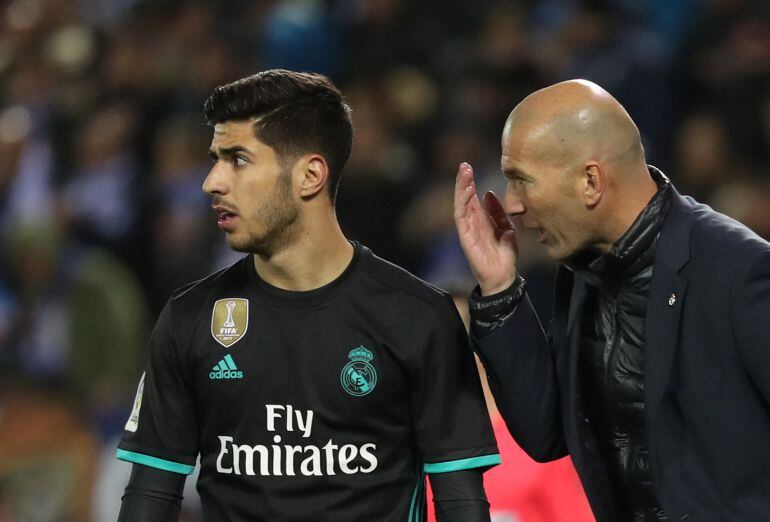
(674, 243)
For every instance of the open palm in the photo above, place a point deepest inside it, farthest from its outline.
(486, 234)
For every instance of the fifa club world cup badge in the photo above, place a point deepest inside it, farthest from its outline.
(230, 320)
(359, 377)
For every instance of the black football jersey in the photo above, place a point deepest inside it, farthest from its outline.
(330, 404)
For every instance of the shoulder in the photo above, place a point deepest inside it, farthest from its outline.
(716, 235)
(192, 296)
(392, 281)
(175, 327)
(715, 250)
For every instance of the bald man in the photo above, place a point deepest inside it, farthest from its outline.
(654, 375)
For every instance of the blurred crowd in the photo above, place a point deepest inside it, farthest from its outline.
(103, 152)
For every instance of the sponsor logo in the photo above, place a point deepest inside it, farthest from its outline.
(358, 377)
(225, 369)
(279, 459)
(230, 320)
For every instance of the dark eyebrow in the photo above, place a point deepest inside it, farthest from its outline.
(226, 152)
(512, 172)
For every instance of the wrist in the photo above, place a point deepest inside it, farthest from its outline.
(490, 312)
(497, 287)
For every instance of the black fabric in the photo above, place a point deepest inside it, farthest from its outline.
(491, 311)
(459, 496)
(611, 373)
(706, 373)
(152, 495)
(325, 400)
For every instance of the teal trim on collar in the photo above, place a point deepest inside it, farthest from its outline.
(457, 465)
(154, 462)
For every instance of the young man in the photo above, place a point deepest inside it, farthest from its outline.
(315, 380)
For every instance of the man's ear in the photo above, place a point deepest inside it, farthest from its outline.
(593, 183)
(314, 174)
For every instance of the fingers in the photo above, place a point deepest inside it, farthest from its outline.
(496, 212)
(465, 190)
(467, 207)
(471, 220)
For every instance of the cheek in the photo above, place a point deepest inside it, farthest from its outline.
(248, 208)
(545, 208)
(252, 194)
(558, 218)
(573, 230)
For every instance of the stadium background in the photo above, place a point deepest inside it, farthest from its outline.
(103, 152)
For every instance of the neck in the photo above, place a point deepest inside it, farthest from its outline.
(632, 201)
(319, 255)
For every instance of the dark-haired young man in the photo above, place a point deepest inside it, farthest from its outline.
(315, 380)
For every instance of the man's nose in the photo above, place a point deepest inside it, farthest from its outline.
(215, 182)
(513, 204)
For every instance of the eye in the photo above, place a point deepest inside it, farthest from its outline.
(240, 161)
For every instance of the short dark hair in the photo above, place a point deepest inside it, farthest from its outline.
(298, 113)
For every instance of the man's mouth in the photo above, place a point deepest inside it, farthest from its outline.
(225, 216)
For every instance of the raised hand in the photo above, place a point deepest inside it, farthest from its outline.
(487, 235)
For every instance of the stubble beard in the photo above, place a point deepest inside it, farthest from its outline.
(279, 218)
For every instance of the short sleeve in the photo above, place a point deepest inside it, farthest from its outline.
(161, 430)
(451, 422)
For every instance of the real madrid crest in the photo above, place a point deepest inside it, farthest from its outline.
(359, 377)
(230, 320)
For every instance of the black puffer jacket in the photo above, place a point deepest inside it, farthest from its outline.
(612, 358)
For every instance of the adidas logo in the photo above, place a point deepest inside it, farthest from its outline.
(225, 369)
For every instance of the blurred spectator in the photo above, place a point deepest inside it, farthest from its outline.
(77, 323)
(26, 172)
(747, 201)
(704, 156)
(183, 228)
(100, 201)
(380, 177)
(46, 458)
(73, 326)
(300, 35)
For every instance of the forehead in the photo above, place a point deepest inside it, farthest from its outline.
(234, 132)
(526, 143)
(514, 146)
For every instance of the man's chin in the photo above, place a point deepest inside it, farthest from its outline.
(262, 248)
(558, 255)
(239, 244)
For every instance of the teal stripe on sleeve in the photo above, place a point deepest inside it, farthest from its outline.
(154, 462)
(457, 465)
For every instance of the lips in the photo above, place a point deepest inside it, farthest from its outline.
(226, 216)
